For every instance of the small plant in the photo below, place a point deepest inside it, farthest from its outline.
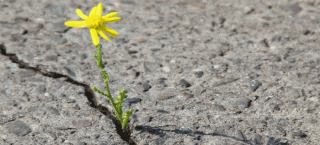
(95, 22)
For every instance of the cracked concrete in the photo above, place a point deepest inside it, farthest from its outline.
(196, 72)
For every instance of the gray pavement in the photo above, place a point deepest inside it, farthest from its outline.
(197, 72)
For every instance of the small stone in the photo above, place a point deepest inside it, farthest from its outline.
(254, 85)
(78, 123)
(315, 82)
(273, 47)
(310, 110)
(51, 58)
(184, 83)
(265, 43)
(194, 62)
(213, 56)
(313, 121)
(96, 136)
(255, 97)
(281, 130)
(239, 134)
(292, 93)
(277, 59)
(198, 74)
(308, 60)
(55, 39)
(290, 60)
(257, 67)
(262, 89)
(295, 8)
(276, 38)
(214, 71)
(20, 19)
(276, 107)
(18, 128)
(161, 82)
(241, 103)
(69, 71)
(31, 26)
(188, 95)
(165, 95)
(83, 56)
(132, 52)
(235, 61)
(166, 69)
(132, 101)
(273, 141)
(53, 110)
(306, 32)
(128, 2)
(257, 139)
(219, 107)
(220, 52)
(224, 81)
(146, 87)
(59, 27)
(299, 134)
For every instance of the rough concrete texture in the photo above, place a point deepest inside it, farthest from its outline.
(197, 72)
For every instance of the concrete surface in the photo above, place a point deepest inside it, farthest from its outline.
(197, 72)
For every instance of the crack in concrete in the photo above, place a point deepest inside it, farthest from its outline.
(89, 93)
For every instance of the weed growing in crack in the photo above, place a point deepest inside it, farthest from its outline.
(95, 22)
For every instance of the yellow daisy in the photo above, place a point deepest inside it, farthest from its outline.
(95, 22)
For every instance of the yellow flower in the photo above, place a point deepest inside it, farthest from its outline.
(96, 23)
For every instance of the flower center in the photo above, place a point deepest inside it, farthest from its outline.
(94, 22)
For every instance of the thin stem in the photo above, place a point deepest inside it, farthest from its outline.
(120, 99)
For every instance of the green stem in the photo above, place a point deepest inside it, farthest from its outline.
(120, 99)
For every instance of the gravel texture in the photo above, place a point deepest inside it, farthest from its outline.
(197, 72)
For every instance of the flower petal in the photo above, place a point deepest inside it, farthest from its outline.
(81, 14)
(99, 9)
(76, 24)
(93, 11)
(104, 35)
(109, 20)
(110, 15)
(110, 31)
(94, 36)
